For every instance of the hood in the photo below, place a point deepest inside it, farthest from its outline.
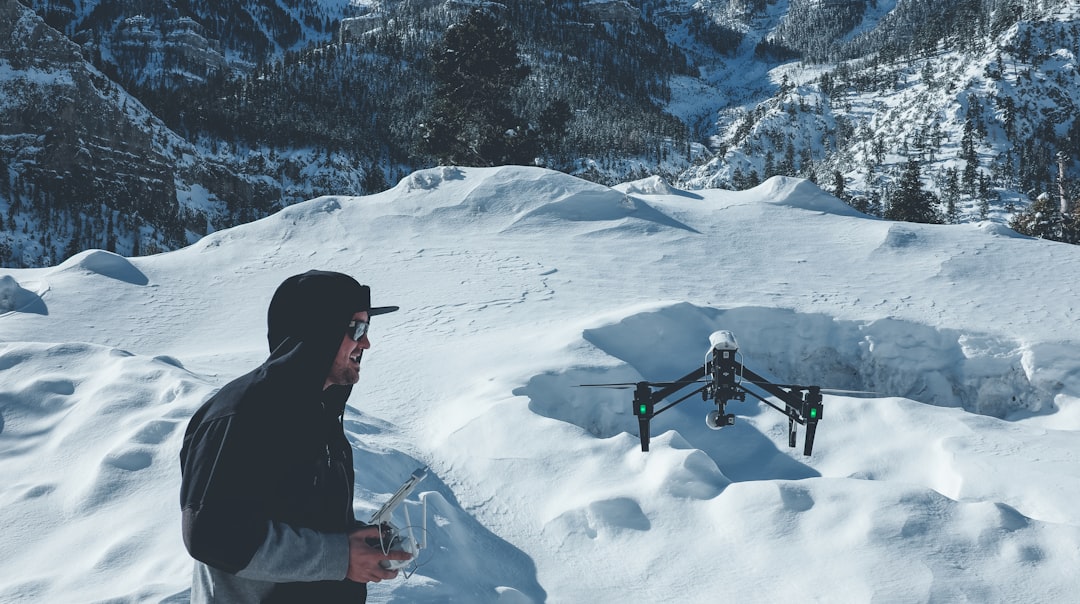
(306, 322)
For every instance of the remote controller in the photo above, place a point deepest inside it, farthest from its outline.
(393, 540)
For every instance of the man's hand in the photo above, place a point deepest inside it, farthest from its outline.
(364, 559)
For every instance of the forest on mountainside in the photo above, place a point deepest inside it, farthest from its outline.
(230, 110)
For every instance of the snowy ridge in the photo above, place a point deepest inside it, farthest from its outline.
(956, 479)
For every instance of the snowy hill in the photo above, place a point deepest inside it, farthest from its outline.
(956, 481)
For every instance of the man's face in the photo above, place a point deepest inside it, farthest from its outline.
(346, 368)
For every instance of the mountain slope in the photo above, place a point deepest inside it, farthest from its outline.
(281, 102)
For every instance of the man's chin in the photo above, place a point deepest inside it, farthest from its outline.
(346, 378)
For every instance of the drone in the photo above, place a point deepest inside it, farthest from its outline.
(726, 379)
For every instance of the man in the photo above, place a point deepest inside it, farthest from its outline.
(267, 470)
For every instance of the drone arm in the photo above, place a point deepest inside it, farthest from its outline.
(645, 402)
(788, 398)
(801, 408)
(767, 401)
(665, 408)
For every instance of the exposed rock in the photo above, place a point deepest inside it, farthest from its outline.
(70, 132)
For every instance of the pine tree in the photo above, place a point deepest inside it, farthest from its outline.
(553, 123)
(986, 195)
(909, 201)
(970, 157)
(110, 233)
(74, 245)
(838, 185)
(950, 193)
(1042, 219)
(470, 121)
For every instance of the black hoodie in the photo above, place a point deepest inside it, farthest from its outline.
(267, 471)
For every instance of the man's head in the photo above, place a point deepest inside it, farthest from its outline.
(315, 310)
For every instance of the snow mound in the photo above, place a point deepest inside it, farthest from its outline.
(900, 236)
(426, 180)
(517, 197)
(859, 516)
(803, 194)
(15, 298)
(100, 426)
(106, 264)
(653, 185)
(86, 430)
(997, 229)
(306, 210)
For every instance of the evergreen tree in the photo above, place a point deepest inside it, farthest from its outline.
(838, 185)
(553, 124)
(752, 179)
(75, 245)
(1042, 219)
(909, 201)
(986, 195)
(787, 165)
(110, 233)
(738, 181)
(470, 121)
(770, 165)
(970, 157)
(950, 193)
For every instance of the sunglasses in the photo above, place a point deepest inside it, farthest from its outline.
(357, 329)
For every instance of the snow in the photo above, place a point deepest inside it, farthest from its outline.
(955, 479)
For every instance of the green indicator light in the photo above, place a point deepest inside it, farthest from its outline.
(813, 413)
(642, 410)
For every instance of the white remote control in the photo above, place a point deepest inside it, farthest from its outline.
(397, 541)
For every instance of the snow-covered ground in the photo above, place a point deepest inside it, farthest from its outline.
(956, 481)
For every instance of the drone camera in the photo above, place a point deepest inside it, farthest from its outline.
(716, 420)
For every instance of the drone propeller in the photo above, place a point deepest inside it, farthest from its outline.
(628, 385)
(822, 390)
(843, 392)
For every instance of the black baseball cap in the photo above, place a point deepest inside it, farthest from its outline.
(365, 303)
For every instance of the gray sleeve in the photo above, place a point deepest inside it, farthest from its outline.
(290, 554)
